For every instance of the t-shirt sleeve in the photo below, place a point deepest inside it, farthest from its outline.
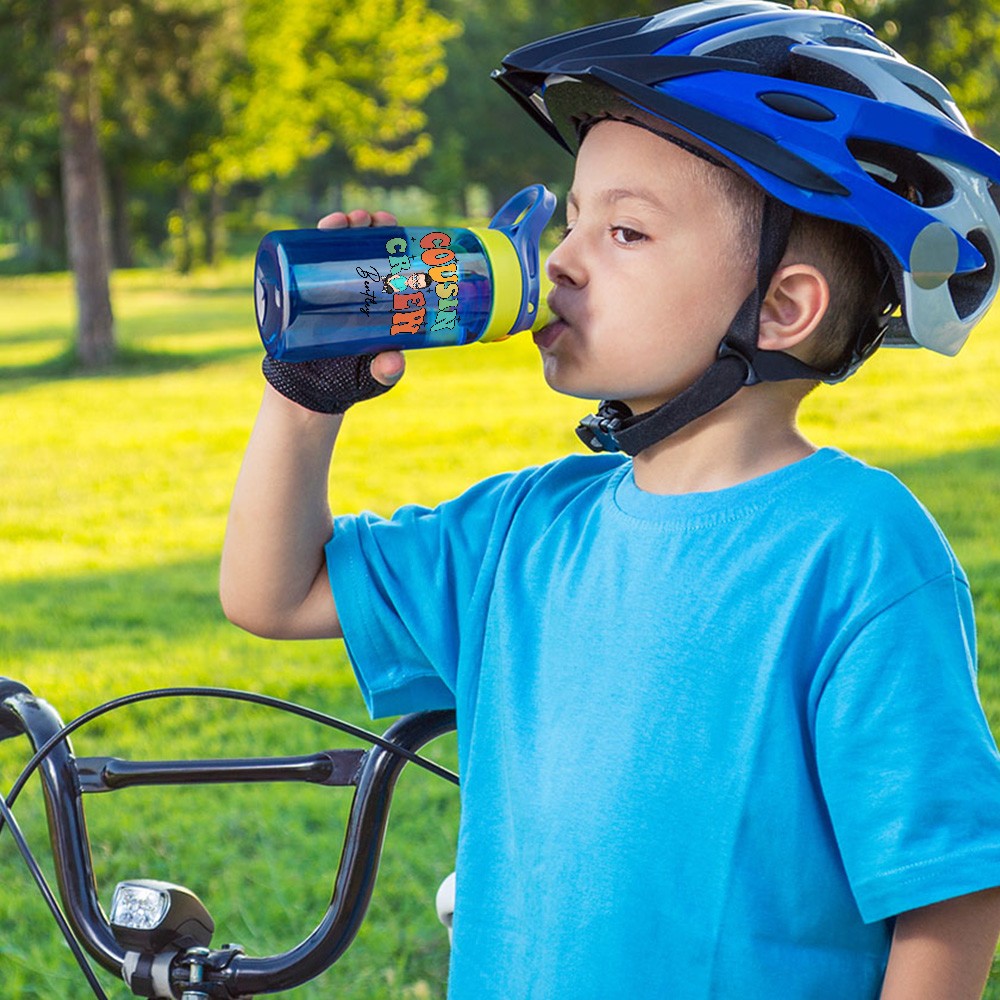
(907, 763)
(407, 589)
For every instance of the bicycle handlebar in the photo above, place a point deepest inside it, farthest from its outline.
(226, 973)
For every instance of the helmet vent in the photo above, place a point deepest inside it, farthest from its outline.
(867, 43)
(818, 73)
(769, 55)
(930, 99)
(903, 172)
(796, 106)
(969, 291)
(994, 190)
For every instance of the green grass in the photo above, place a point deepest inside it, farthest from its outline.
(115, 489)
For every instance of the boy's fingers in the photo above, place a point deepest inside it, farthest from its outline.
(335, 220)
(388, 367)
(357, 218)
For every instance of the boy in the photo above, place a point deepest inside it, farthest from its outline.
(718, 727)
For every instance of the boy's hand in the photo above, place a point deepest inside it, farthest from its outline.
(331, 385)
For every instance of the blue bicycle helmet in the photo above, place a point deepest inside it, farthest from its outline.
(827, 120)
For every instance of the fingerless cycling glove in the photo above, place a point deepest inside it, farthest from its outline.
(325, 385)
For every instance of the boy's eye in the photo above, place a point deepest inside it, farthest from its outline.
(624, 236)
(566, 230)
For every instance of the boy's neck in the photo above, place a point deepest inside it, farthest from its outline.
(750, 435)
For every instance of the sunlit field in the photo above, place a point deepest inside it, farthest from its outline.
(112, 510)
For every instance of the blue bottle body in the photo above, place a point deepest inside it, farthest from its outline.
(324, 293)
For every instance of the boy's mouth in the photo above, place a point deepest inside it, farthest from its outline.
(551, 332)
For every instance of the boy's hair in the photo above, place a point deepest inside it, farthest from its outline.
(843, 255)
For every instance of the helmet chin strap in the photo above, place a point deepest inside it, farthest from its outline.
(739, 362)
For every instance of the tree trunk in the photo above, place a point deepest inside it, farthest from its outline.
(213, 223)
(83, 188)
(181, 230)
(45, 203)
(121, 230)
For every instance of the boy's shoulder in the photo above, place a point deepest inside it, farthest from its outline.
(830, 496)
(563, 476)
(887, 524)
(539, 492)
(857, 486)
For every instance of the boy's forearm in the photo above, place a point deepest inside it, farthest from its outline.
(272, 578)
(944, 951)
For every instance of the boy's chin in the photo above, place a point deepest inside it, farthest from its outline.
(568, 383)
(592, 390)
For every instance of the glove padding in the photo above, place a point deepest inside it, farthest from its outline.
(326, 385)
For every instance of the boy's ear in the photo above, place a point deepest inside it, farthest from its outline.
(796, 301)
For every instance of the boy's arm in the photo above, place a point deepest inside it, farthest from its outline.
(944, 951)
(273, 573)
(273, 578)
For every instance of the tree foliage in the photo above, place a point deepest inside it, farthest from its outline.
(480, 134)
(201, 97)
(346, 73)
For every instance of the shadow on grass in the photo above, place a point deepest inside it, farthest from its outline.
(129, 362)
(961, 489)
(177, 309)
(81, 639)
(115, 608)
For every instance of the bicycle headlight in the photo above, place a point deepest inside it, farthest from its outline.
(149, 916)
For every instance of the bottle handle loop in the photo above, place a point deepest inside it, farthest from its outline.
(522, 219)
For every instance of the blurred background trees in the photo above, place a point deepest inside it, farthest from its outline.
(144, 131)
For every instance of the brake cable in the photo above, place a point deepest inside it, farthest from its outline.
(46, 890)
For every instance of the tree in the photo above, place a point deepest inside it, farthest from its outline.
(481, 135)
(202, 94)
(350, 74)
(75, 55)
(67, 62)
(161, 81)
(29, 129)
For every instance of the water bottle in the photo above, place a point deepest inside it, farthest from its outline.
(321, 293)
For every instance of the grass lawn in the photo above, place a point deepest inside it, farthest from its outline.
(115, 489)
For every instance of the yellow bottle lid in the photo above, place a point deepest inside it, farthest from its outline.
(507, 278)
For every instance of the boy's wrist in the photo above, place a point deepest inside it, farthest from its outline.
(299, 428)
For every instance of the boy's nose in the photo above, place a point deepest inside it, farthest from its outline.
(563, 266)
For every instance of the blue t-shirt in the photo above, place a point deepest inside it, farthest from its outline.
(709, 744)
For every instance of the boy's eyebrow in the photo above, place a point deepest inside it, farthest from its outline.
(613, 195)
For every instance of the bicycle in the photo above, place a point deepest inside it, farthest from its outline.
(158, 935)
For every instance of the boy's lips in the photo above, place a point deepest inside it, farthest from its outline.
(549, 334)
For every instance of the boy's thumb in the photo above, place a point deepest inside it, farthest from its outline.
(388, 367)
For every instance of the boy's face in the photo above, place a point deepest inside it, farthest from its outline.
(648, 278)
